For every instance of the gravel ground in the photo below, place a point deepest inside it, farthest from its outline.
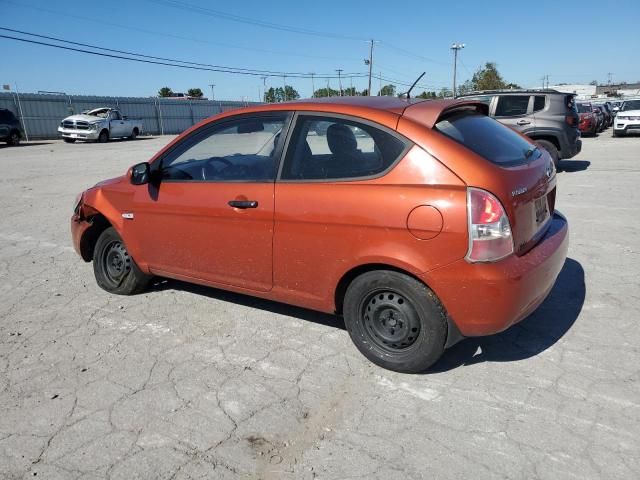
(189, 382)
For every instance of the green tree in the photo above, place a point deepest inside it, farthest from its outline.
(324, 92)
(195, 92)
(275, 95)
(444, 93)
(513, 86)
(350, 92)
(165, 92)
(488, 78)
(427, 95)
(387, 91)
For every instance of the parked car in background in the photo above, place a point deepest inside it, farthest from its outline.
(600, 118)
(433, 223)
(100, 124)
(588, 120)
(10, 129)
(627, 119)
(608, 116)
(548, 117)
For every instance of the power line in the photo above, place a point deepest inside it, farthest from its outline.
(413, 55)
(160, 60)
(250, 21)
(178, 37)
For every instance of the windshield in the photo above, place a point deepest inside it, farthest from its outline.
(488, 138)
(631, 105)
(584, 108)
(101, 112)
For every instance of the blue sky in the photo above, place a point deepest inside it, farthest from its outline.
(527, 40)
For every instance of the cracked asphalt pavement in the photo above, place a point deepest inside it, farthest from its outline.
(186, 382)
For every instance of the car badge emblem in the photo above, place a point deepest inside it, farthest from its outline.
(518, 191)
(549, 170)
(127, 215)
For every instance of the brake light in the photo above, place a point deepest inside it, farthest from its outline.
(571, 120)
(490, 236)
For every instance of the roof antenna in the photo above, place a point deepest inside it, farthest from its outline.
(408, 93)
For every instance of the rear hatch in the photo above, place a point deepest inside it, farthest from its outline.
(526, 185)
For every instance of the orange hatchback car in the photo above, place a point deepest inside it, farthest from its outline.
(421, 222)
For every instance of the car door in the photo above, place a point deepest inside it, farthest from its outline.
(4, 123)
(515, 111)
(116, 125)
(209, 213)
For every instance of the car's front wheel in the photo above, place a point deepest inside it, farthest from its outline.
(69, 140)
(103, 137)
(395, 321)
(113, 267)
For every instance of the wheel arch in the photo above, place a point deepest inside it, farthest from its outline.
(99, 223)
(549, 138)
(453, 334)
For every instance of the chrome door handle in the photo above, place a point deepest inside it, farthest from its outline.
(523, 122)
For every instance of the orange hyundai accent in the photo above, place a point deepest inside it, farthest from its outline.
(420, 222)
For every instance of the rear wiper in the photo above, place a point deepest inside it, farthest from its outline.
(529, 152)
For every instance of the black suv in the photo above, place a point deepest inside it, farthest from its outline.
(547, 116)
(10, 130)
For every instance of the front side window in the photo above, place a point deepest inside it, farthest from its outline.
(480, 98)
(327, 148)
(631, 105)
(242, 149)
(512, 105)
(115, 115)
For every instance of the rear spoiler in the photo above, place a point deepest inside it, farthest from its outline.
(430, 112)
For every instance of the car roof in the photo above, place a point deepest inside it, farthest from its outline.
(515, 91)
(383, 109)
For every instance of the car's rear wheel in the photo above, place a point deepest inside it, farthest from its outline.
(69, 140)
(114, 269)
(395, 321)
(551, 148)
(103, 137)
(134, 134)
(14, 139)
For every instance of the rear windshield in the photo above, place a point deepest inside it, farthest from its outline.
(488, 138)
(584, 108)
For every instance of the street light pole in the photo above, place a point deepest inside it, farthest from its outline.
(339, 70)
(284, 92)
(455, 47)
(264, 88)
(313, 86)
(212, 92)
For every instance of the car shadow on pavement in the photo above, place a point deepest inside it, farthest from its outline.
(535, 334)
(574, 165)
(24, 144)
(334, 321)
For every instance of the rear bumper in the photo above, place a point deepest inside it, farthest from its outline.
(482, 299)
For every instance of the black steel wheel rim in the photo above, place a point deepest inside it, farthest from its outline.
(116, 262)
(390, 320)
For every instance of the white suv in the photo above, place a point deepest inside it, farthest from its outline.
(628, 118)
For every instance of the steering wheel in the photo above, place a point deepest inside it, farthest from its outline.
(208, 170)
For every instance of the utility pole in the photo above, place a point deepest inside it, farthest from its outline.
(370, 63)
(339, 70)
(313, 85)
(328, 88)
(455, 47)
(379, 83)
(284, 92)
(609, 75)
(264, 88)
(213, 97)
(351, 86)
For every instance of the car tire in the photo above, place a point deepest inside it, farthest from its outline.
(134, 134)
(103, 137)
(14, 139)
(395, 321)
(551, 148)
(115, 271)
(69, 140)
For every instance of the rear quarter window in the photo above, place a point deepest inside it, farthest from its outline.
(488, 138)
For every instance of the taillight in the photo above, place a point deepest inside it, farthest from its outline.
(571, 120)
(490, 236)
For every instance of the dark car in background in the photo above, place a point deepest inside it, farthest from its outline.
(588, 121)
(597, 110)
(608, 114)
(10, 130)
(547, 116)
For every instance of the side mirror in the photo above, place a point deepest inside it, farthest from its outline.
(140, 173)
